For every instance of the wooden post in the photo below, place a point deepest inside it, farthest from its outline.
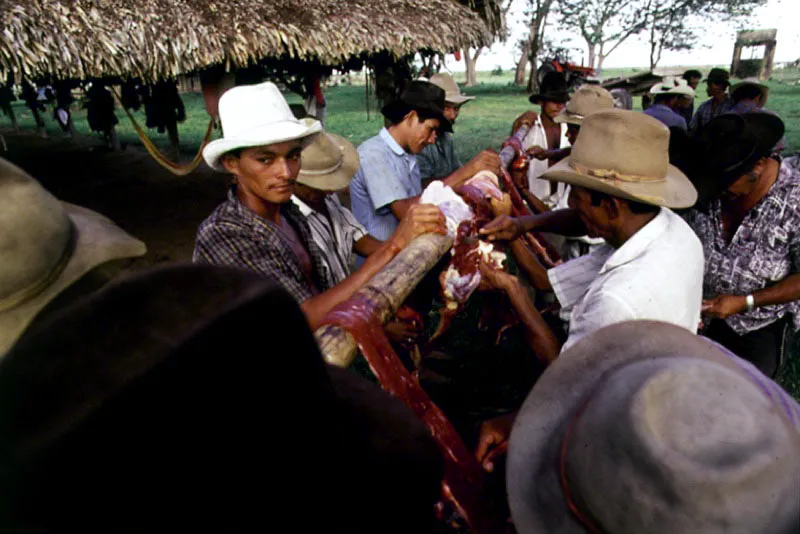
(388, 289)
(767, 61)
(737, 56)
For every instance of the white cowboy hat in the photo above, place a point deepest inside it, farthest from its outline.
(672, 86)
(46, 246)
(644, 427)
(625, 154)
(328, 163)
(586, 100)
(256, 115)
(452, 93)
(755, 82)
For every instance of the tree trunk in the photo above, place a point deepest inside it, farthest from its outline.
(469, 61)
(522, 64)
(592, 55)
(533, 82)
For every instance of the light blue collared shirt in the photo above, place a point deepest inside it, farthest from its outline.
(387, 174)
(666, 115)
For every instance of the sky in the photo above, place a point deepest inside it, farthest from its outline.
(715, 47)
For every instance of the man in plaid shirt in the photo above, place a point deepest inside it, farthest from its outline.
(717, 82)
(257, 227)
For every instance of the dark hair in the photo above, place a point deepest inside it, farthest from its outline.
(745, 92)
(660, 98)
(637, 208)
(692, 73)
(396, 116)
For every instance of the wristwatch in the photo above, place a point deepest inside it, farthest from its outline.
(751, 302)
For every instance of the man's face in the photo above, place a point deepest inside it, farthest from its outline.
(715, 89)
(572, 132)
(451, 111)
(693, 82)
(420, 133)
(551, 109)
(267, 172)
(309, 195)
(745, 184)
(596, 218)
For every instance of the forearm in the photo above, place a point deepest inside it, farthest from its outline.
(787, 290)
(527, 261)
(538, 334)
(318, 306)
(459, 176)
(535, 202)
(565, 222)
(400, 207)
(367, 245)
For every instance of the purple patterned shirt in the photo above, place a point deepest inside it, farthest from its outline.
(764, 250)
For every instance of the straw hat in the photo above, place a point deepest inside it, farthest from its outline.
(586, 100)
(328, 163)
(625, 154)
(751, 82)
(256, 115)
(644, 427)
(45, 246)
(672, 86)
(452, 93)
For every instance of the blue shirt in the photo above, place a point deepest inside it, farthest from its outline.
(666, 115)
(387, 174)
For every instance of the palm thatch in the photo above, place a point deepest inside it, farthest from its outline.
(155, 39)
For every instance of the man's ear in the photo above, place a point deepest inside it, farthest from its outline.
(412, 118)
(612, 207)
(231, 163)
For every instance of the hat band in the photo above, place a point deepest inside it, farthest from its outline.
(615, 176)
(321, 172)
(26, 294)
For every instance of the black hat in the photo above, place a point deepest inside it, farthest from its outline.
(195, 398)
(419, 96)
(732, 144)
(720, 76)
(552, 89)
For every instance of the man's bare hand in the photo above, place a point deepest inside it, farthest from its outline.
(419, 219)
(503, 228)
(537, 152)
(723, 306)
(487, 160)
(528, 118)
(493, 439)
(498, 279)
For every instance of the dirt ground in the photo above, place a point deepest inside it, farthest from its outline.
(129, 187)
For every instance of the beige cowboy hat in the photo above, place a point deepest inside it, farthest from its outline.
(45, 246)
(672, 86)
(328, 163)
(644, 427)
(752, 82)
(256, 115)
(586, 100)
(452, 93)
(625, 154)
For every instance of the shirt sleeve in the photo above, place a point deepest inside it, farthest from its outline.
(358, 229)
(603, 310)
(380, 180)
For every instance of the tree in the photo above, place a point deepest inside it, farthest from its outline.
(536, 12)
(522, 64)
(673, 24)
(603, 24)
(470, 59)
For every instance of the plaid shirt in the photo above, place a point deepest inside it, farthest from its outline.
(706, 112)
(235, 236)
(438, 160)
(764, 251)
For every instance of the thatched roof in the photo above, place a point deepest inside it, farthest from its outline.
(154, 39)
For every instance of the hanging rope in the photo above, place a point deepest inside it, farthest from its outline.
(175, 168)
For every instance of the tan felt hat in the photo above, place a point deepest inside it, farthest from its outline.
(625, 154)
(586, 100)
(328, 163)
(452, 93)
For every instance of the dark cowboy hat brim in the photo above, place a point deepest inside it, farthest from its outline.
(191, 396)
(562, 97)
(397, 109)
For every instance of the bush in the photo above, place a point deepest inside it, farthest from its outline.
(498, 71)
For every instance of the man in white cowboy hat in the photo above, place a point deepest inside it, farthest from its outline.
(258, 227)
(439, 160)
(670, 97)
(388, 183)
(622, 189)
(52, 252)
(643, 427)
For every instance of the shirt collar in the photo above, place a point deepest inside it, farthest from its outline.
(288, 210)
(305, 209)
(389, 140)
(638, 242)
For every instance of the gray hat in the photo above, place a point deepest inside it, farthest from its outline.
(45, 246)
(644, 427)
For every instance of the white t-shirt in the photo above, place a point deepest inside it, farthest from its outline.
(656, 275)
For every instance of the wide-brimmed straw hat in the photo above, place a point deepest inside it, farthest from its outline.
(256, 115)
(751, 82)
(586, 100)
(625, 154)
(552, 89)
(672, 86)
(419, 96)
(644, 427)
(45, 246)
(328, 163)
(147, 407)
(452, 93)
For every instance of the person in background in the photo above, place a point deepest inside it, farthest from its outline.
(750, 237)
(439, 160)
(717, 85)
(670, 97)
(692, 78)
